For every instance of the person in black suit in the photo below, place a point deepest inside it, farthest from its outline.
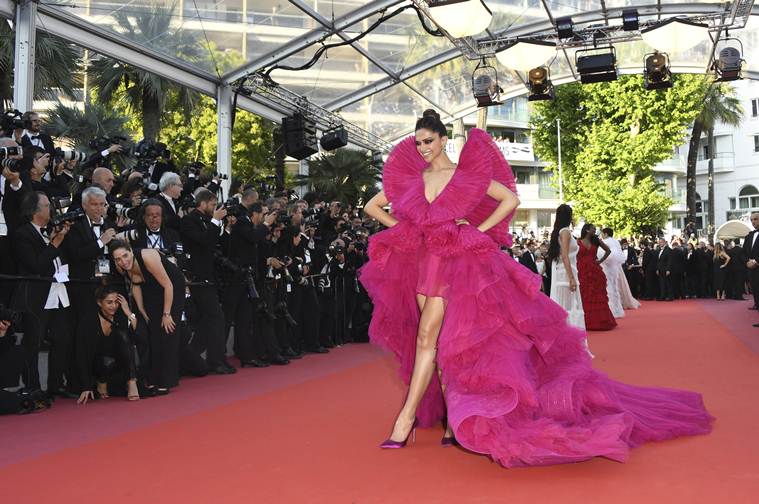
(677, 264)
(663, 271)
(527, 258)
(751, 251)
(86, 246)
(12, 191)
(45, 304)
(650, 272)
(201, 230)
(735, 279)
(171, 189)
(32, 135)
(631, 267)
(150, 231)
(704, 264)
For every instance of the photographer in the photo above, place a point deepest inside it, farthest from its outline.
(32, 135)
(12, 191)
(247, 251)
(201, 230)
(14, 362)
(45, 304)
(40, 164)
(171, 189)
(150, 231)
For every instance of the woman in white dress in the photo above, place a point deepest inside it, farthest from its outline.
(612, 267)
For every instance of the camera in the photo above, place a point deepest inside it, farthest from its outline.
(59, 220)
(180, 258)
(60, 202)
(69, 155)
(234, 207)
(335, 250)
(151, 151)
(12, 164)
(187, 203)
(221, 176)
(6, 152)
(123, 208)
(102, 143)
(10, 121)
(9, 315)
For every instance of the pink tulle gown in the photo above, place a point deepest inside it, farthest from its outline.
(519, 384)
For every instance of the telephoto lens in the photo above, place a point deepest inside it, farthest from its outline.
(6, 152)
(12, 164)
(70, 155)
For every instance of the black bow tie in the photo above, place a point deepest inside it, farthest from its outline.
(154, 233)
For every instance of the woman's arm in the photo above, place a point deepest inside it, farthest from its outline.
(374, 209)
(508, 202)
(152, 260)
(131, 317)
(564, 237)
(727, 259)
(607, 251)
(137, 295)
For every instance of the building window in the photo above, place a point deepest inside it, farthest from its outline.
(748, 199)
(756, 143)
(732, 203)
(544, 219)
(755, 107)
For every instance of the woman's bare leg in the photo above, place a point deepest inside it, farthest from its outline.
(432, 311)
(448, 430)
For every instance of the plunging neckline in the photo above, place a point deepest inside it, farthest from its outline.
(445, 187)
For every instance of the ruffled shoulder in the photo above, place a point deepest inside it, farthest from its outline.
(402, 169)
(480, 162)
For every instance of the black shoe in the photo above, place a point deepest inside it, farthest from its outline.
(62, 392)
(320, 349)
(161, 391)
(756, 325)
(146, 391)
(292, 354)
(222, 369)
(278, 360)
(253, 363)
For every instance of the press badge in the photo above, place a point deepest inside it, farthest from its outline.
(289, 288)
(104, 266)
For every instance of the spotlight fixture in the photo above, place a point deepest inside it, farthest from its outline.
(656, 73)
(539, 82)
(334, 138)
(565, 27)
(460, 18)
(728, 66)
(675, 35)
(597, 64)
(525, 54)
(485, 85)
(630, 19)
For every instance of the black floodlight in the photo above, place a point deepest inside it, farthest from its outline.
(485, 86)
(728, 66)
(596, 65)
(334, 138)
(565, 27)
(630, 20)
(539, 82)
(656, 73)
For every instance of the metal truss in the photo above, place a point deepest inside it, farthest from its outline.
(258, 87)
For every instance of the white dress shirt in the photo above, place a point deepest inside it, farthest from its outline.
(58, 296)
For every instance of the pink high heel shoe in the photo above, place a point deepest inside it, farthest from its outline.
(389, 444)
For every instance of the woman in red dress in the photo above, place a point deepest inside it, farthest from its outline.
(595, 302)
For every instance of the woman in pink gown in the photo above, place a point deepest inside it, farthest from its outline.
(514, 381)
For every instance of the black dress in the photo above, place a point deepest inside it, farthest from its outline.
(719, 274)
(105, 359)
(163, 366)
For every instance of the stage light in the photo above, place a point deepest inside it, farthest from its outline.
(630, 20)
(656, 73)
(300, 136)
(596, 65)
(675, 35)
(539, 82)
(334, 138)
(461, 18)
(485, 85)
(524, 55)
(729, 64)
(565, 27)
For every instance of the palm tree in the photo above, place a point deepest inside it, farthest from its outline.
(719, 106)
(346, 175)
(56, 66)
(144, 92)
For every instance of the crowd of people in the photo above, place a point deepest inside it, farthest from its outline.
(132, 279)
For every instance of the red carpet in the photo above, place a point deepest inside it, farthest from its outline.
(307, 433)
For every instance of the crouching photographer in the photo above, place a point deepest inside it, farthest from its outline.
(13, 365)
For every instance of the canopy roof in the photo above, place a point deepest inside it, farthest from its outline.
(381, 82)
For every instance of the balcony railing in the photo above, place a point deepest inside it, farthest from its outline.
(512, 151)
(723, 161)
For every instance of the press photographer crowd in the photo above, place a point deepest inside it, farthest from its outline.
(126, 280)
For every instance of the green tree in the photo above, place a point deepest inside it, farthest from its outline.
(56, 66)
(345, 175)
(719, 105)
(145, 93)
(613, 134)
(196, 140)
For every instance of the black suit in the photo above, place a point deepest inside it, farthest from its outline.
(35, 258)
(736, 273)
(11, 201)
(677, 263)
(47, 144)
(751, 251)
(651, 279)
(170, 216)
(528, 260)
(663, 271)
(632, 271)
(200, 237)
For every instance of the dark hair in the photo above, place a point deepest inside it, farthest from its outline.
(256, 207)
(608, 231)
(104, 290)
(593, 238)
(431, 120)
(30, 204)
(116, 244)
(563, 219)
(132, 185)
(203, 196)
